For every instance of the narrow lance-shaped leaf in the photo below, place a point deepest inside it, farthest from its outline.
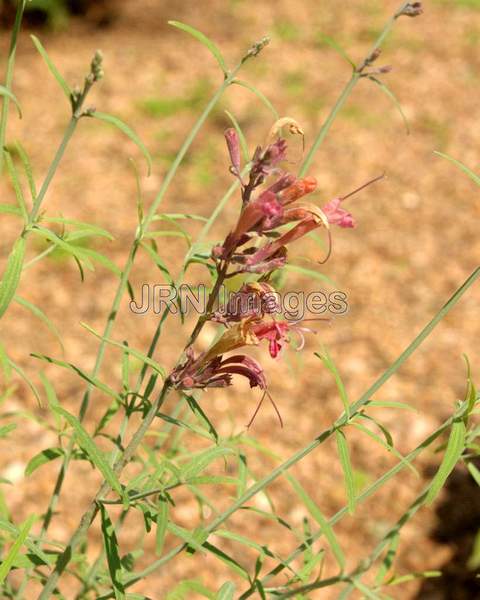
(8, 94)
(388, 92)
(347, 469)
(461, 166)
(316, 513)
(128, 131)
(259, 95)
(42, 458)
(42, 316)
(113, 556)
(15, 549)
(11, 276)
(202, 460)
(128, 350)
(453, 452)
(52, 68)
(12, 171)
(226, 592)
(28, 168)
(5, 364)
(203, 39)
(336, 46)
(328, 362)
(89, 446)
(162, 522)
(27, 380)
(71, 367)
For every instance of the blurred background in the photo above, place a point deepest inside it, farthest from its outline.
(416, 242)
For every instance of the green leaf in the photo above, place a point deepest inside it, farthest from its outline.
(83, 229)
(15, 549)
(5, 364)
(189, 588)
(386, 90)
(6, 429)
(381, 404)
(113, 557)
(461, 166)
(259, 95)
(14, 531)
(162, 522)
(71, 367)
(474, 472)
(310, 273)
(231, 563)
(128, 350)
(327, 530)
(128, 131)
(453, 452)
(241, 539)
(336, 46)
(344, 456)
(158, 261)
(27, 380)
(12, 171)
(330, 365)
(11, 276)
(226, 592)
(366, 591)
(412, 576)
(192, 539)
(10, 209)
(75, 251)
(201, 416)
(241, 136)
(42, 316)
(28, 168)
(8, 94)
(90, 448)
(471, 393)
(52, 68)
(203, 39)
(389, 447)
(202, 460)
(43, 458)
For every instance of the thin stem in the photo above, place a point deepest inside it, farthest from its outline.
(52, 170)
(9, 76)
(356, 75)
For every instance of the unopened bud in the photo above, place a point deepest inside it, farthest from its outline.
(257, 47)
(374, 55)
(96, 66)
(233, 145)
(412, 9)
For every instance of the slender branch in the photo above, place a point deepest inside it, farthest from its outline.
(345, 94)
(9, 76)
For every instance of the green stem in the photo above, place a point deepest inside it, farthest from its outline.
(52, 170)
(9, 76)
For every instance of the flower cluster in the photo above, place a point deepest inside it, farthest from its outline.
(273, 215)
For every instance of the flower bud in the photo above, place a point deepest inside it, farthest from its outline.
(233, 145)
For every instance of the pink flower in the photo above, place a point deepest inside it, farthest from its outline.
(337, 215)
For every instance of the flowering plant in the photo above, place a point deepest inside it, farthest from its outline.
(155, 480)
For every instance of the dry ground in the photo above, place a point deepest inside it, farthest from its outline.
(416, 242)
